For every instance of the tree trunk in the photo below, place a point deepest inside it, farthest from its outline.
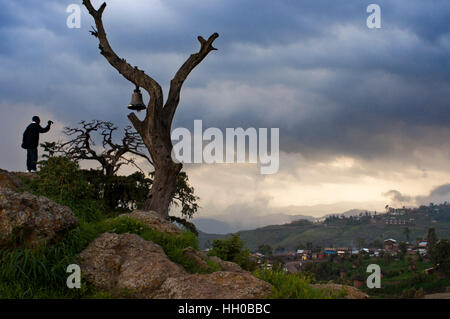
(109, 170)
(157, 139)
(155, 128)
(163, 188)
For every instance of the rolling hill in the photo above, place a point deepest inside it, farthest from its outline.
(347, 231)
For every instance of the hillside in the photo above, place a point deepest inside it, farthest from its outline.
(349, 231)
(230, 224)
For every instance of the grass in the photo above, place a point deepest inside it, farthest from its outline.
(398, 280)
(292, 286)
(403, 288)
(41, 272)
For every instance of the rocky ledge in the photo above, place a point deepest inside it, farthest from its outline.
(154, 221)
(127, 264)
(32, 221)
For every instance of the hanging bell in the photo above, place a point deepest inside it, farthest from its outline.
(136, 103)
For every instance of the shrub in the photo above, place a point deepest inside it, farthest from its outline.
(119, 191)
(27, 273)
(61, 178)
(232, 249)
(441, 256)
(290, 286)
(41, 273)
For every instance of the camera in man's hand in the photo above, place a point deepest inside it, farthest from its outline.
(50, 122)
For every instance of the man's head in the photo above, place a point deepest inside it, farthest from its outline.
(36, 119)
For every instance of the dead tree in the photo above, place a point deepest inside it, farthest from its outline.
(155, 128)
(112, 155)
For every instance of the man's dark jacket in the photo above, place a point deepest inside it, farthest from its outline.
(31, 135)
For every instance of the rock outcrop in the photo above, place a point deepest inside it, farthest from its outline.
(224, 265)
(201, 258)
(196, 257)
(217, 285)
(126, 262)
(154, 221)
(9, 180)
(32, 221)
(351, 292)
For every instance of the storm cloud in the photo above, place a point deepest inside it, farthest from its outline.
(368, 106)
(438, 194)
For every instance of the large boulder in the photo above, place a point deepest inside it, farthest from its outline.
(217, 285)
(127, 263)
(154, 221)
(12, 180)
(201, 260)
(32, 221)
(9, 180)
(196, 257)
(224, 265)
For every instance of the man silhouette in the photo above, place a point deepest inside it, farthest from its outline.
(30, 141)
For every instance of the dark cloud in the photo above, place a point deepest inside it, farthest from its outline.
(398, 197)
(312, 68)
(438, 194)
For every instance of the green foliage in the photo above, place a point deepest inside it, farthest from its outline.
(35, 273)
(184, 196)
(265, 249)
(50, 149)
(173, 245)
(187, 225)
(119, 191)
(212, 265)
(340, 233)
(407, 232)
(441, 256)
(124, 224)
(322, 271)
(91, 194)
(61, 178)
(41, 272)
(377, 243)
(232, 249)
(431, 238)
(290, 286)
(402, 247)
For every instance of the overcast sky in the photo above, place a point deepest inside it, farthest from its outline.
(363, 113)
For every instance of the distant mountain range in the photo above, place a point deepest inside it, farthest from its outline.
(225, 225)
(299, 229)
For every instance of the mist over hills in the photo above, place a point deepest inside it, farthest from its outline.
(227, 225)
(345, 230)
(216, 226)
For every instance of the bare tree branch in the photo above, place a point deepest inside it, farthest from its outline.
(112, 157)
(177, 82)
(133, 74)
(155, 129)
